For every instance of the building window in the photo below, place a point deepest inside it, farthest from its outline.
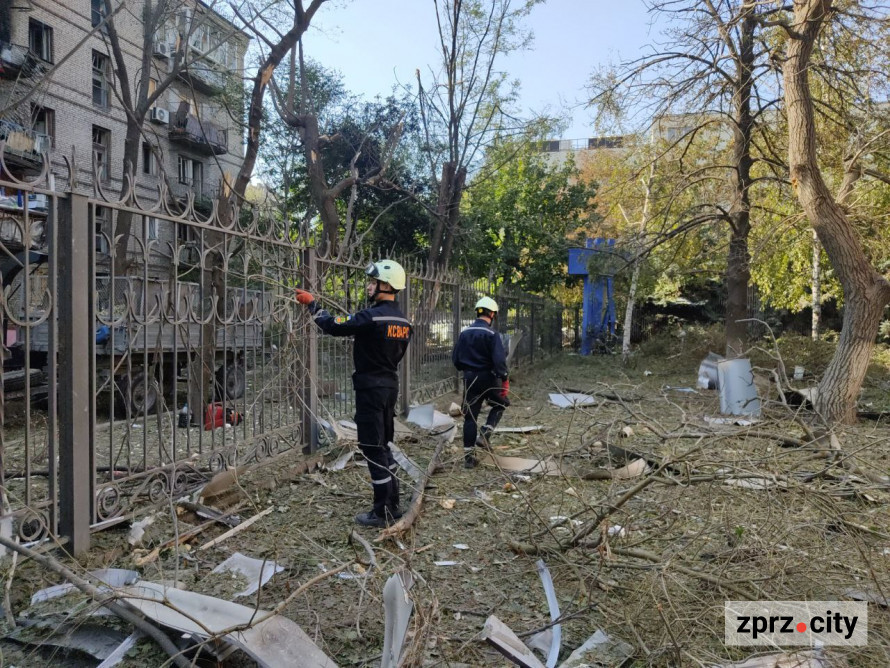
(98, 11)
(101, 150)
(40, 40)
(43, 121)
(149, 160)
(190, 173)
(100, 80)
(150, 228)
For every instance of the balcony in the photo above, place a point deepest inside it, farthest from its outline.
(16, 60)
(204, 77)
(202, 136)
(24, 148)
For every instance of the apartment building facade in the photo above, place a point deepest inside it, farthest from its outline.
(60, 93)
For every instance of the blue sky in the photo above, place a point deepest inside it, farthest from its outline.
(377, 43)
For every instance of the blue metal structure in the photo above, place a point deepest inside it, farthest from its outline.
(599, 304)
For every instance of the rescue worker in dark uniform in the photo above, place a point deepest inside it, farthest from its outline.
(382, 334)
(479, 354)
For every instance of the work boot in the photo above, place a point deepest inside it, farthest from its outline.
(370, 519)
(470, 460)
(483, 439)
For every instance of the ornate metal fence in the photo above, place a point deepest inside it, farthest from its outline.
(148, 345)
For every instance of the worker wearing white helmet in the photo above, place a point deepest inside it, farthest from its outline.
(479, 354)
(382, 333)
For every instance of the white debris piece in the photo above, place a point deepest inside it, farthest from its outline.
(137, 529)
(270, 640)
(571, 399)
(438, 424)
(738, 393)
(257, 571)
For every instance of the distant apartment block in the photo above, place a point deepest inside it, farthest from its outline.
(60, 94)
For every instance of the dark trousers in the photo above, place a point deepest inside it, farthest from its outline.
(374, 413)
(478, 389)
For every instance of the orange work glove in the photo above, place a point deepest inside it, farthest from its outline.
(505, 388)
(305, 298)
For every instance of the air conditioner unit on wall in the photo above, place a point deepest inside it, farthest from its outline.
(159, 115)
(161, 49)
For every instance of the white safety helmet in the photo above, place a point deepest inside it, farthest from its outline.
(388, 271)
(486, 304)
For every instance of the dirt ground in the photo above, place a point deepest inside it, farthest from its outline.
(725, 512)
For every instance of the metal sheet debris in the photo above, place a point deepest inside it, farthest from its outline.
(137, 529)
(438, 424)
(571, 399)
(804, 659)
(109, 577)
(406, 463)
(738, 393)
(100, 642)
(397, 606)
(501, 637)
(257, 571)
(553, 604)
(271, 640)
(870, 596)
(707, 372)
(121, 650)
(340, 463)
(599, 649)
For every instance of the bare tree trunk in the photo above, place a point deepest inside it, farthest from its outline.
(629, 311)
(738, 274)
(738, 270)
(866, 292)
(817, 286)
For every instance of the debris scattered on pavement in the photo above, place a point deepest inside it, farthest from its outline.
(257, 571)
(571, 399)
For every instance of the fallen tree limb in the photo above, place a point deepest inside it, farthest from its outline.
(238, 529)
(658, 559)
(182, 538)
(354, 536)
(108, 600)
(407, 520)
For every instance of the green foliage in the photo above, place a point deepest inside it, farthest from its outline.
(519, 216)
(386, 216)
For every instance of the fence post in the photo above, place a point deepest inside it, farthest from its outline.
(309, 388)
(455, 327)
(405, 365)
(75, 449)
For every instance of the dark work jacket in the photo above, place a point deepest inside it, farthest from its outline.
(382, 334)
(479, 350)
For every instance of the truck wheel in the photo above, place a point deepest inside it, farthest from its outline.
(230, 381)
(140, 391)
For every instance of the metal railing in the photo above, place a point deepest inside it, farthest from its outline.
(130, 378)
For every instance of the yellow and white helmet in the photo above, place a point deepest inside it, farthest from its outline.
(388, 271)
(486, 304)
